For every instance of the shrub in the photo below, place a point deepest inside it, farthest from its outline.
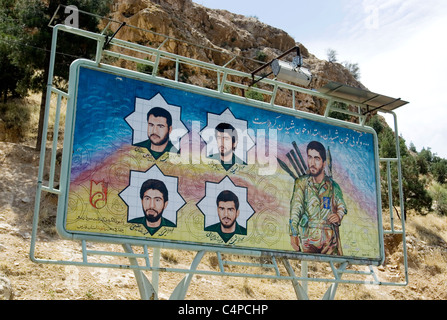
(439, 194)
(15, 118)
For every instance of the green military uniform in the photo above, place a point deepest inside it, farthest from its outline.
(164, 223)
(147, 144)
(226, 236)
(311, 205)
(234, 160)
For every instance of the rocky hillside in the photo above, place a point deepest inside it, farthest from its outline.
(194, 29)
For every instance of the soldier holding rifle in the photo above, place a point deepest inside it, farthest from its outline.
(317, 207)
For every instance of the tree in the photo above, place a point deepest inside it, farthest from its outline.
(439, 170)
(353, 68)
(439, 195)
(11, 72)
(376, 123)
(34, 16)
(331, 55)
(423, 164)
(415, 195)
(426, 154)
(339, 115)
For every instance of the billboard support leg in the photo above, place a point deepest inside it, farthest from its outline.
(156, 264)
(179, 292)
(147, 291)
(301, 289)
(301, 293)
(330, 293)
(304, 274)
(338, 273)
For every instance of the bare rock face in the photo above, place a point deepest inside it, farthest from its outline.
(201, 28)
(188, 21)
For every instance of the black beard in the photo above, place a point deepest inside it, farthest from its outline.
(315, 174)
(163, 141)
(228, 226)
(152, 218)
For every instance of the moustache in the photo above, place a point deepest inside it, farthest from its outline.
(153, 211)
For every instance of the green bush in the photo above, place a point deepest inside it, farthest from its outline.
(261, 56)
(439, 194)
(252, 94)
(339, 115)
(144, 68)
(439, 170)
(15, 118)
(416, 196)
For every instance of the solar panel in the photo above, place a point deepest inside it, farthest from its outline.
(374, 100)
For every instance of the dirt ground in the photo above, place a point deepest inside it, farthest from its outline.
(427, 257)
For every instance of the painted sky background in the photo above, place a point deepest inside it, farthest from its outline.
(399, 46)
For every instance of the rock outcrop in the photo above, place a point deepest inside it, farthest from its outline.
(216, 36)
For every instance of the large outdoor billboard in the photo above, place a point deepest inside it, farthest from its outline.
(160, 163)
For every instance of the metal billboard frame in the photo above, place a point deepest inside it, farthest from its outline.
(67, 159)
(148, 290)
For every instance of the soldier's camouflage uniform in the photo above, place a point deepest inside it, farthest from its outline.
(311, 205)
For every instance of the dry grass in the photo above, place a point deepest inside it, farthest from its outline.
(22, 118)
(431, 228)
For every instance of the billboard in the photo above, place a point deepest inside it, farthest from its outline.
(170, 165)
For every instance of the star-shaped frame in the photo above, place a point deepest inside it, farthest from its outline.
(246, 139)
(131, 195)
(207, 205)
(137, 120)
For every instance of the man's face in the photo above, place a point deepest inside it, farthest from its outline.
(224, 143)
(158, 130)
(227, 213)
(153, 205)
(314, 162)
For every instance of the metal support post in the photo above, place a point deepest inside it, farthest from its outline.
(301, 294)
(304, 274)
(328, 108)
(179, 292)
(147, 291)
(330, 293)
(155, 264)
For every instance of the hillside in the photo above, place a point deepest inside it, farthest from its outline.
(21, 279)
